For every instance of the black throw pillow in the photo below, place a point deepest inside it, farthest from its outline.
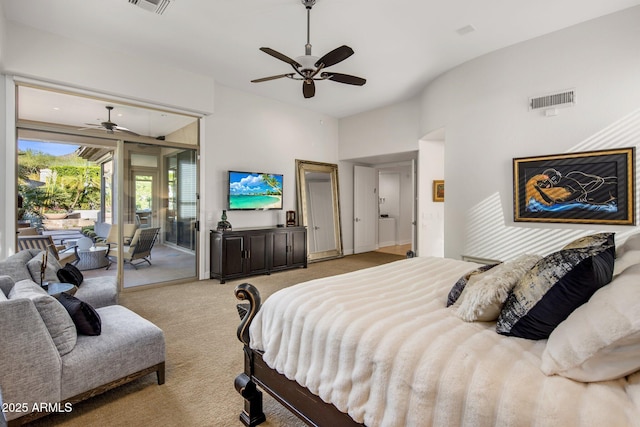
(70, 274)
(85, 317)
(557, 285)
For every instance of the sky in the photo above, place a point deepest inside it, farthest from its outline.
(47, 147)
(245, 183)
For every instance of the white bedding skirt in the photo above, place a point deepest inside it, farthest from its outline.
(380, 345)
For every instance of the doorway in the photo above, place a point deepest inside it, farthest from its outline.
(131, 181)
(392, 216)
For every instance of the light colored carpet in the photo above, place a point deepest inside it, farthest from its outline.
(204, 356)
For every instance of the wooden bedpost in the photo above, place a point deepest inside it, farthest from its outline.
(252, 414)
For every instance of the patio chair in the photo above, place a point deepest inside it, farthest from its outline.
(128, 230)
(46, 243)
(138, 250)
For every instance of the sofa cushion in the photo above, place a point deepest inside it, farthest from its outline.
(15, 266)
(55, 317)
(553, 288)
(6, 283)
(98, 291)
(85, 317)
(128, 344)
(35, 265)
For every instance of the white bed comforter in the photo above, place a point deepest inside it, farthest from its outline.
(380, 345)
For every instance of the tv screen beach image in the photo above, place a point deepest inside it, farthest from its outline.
(255, 191)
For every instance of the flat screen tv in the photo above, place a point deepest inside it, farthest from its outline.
(254, 191)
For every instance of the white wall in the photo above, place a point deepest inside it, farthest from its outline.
(33, 53)
(483, 106)
(251, 133)
(392, 129)
(430, 214)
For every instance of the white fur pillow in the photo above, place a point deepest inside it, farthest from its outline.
(631, 244)
(484, 295)
(626, 260)
(600, 340)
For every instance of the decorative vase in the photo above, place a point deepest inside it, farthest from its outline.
(223, 224)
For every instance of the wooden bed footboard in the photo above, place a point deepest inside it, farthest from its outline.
(300, 401)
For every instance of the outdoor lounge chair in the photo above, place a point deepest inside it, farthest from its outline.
(128, 230)
(138, 250)
(46, 243)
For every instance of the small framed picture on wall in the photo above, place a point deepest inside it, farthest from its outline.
(438, 190)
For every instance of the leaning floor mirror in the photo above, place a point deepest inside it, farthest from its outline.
(319, 208)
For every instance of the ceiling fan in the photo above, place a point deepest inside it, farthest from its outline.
(309, 68)
(109, 126)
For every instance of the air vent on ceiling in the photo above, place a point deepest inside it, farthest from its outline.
(157, 6)
(557, 100)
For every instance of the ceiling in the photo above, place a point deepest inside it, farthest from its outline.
(400, 45)
(87, 113)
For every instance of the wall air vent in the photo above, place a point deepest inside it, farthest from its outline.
(555, 100)
(157, 6)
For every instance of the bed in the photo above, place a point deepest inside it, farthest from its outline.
(380, 347)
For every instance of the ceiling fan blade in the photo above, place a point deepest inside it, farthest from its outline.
(308, 88)
(121, 129)
(265, 79)
(345, 78)
(336, 55)
(280, 56)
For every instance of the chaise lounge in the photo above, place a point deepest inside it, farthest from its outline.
(48, 355)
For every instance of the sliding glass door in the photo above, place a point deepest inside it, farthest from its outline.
(182, 201)
(160, 208)
(133, 193)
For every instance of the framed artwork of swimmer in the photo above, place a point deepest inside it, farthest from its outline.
(594, 187)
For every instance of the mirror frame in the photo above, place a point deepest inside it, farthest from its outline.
(303, 166)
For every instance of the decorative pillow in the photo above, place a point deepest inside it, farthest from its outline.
(35, 264)
(485, 293)
(600, 340)
(553, 288)
(55, 317)
(459, 286)
(85, 317)
(599, 239)
(631, 244)
(15, 266)
(70, 274)
(626, 260)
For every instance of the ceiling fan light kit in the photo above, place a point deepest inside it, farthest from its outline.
(309, 68)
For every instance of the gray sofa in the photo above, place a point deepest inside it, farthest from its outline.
(46, 361)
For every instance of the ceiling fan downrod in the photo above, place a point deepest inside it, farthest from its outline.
(308, 4)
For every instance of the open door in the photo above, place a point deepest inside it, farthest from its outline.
(365, 209)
